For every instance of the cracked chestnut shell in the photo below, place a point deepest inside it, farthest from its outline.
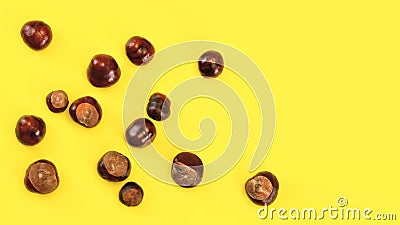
(113, 166)
(57, 101)
(140, 133)
(158, 107)
(103, 71)
(262, 188)
(139, 50)
(131, 194)
(187, 169)
(36, 34)
(86, 111)
(211, 64)
(30, 130)
(41, 177)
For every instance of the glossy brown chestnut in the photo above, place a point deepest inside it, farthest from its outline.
(57, 101)
(41, 177)
(113, 166)
(131, 194)
(211, 64)
(139, 50)
(86, 111)
(159, 107)
(187, 169)
(103, 71)
(30, 130)
(262, 188)
(140, 133)
(36, 34)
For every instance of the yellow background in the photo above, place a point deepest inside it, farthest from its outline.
(333, 67)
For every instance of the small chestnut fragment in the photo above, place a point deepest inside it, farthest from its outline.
(211, 64)
(139, 50)
(103, 71)
(187, 169)
(131, 194)
(140, 133)
(158, 107)
(57, 101)
(41, 177)
(263, 188)
(36, 34)
(30, 130)
(86, 111)
(113, 166)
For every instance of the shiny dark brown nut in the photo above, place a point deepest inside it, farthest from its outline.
(159, 107)
(211, 64)
(41, 177)
(30, 130)
(113, 166)
(57, 101)
(262, 188)
(140, 133)
(187, 169)
(131, 194)
(36, 34)
(86, 111)
(139, 50)
(103, 71)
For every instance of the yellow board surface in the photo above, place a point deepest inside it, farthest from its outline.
(333, 67)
